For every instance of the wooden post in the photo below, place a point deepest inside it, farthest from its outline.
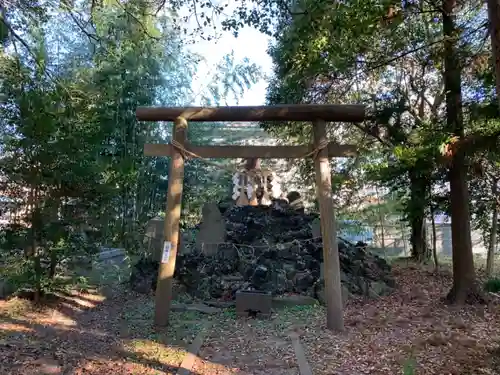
(171, 232)
(333, 289)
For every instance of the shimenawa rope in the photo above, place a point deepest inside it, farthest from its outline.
(186, 154)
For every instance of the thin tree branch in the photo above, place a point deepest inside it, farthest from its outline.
(77, 22)
(136, 20)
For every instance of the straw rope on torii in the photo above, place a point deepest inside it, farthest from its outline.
(320, 149)
(252, 185)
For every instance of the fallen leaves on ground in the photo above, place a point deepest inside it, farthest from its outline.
(411, 329)
(87, 334)
(247, 346)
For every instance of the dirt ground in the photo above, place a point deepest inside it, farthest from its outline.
(411, 330)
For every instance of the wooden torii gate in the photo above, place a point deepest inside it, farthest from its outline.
(321, 150)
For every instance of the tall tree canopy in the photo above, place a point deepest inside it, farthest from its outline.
(71, 77)
(421, 67)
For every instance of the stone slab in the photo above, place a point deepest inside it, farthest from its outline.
(190, 358)
(212, 230)
(198, 307)
(304, 367)
(293, 300)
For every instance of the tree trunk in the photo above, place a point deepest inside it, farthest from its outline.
(420, 250)
(403, 236)
(494, 17)
(434, 241)
(464, 289)
(381, 219)
(35, 242)
(38, 277)
(493, 235)
(53, 264)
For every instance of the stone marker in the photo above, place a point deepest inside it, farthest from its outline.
(316, 228)
(212, 230)
(154, 234)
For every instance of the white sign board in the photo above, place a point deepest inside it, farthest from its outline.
(166, 251)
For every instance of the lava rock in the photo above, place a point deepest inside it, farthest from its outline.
(144, 275)
(271, 250)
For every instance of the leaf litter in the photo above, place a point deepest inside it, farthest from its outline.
(409, 332)
(113, 336)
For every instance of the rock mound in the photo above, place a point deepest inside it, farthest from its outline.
(273, 250)
(144, 275)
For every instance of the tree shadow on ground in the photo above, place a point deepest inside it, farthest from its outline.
(91, 338)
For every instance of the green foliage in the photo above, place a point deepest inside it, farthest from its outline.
(45, 268)
(492, 285)
(71, 149)
(231, 78)
(389, 56)
(409, 367)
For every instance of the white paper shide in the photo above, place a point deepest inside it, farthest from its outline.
(167, 246)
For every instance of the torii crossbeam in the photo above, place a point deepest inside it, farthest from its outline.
(321, 148)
